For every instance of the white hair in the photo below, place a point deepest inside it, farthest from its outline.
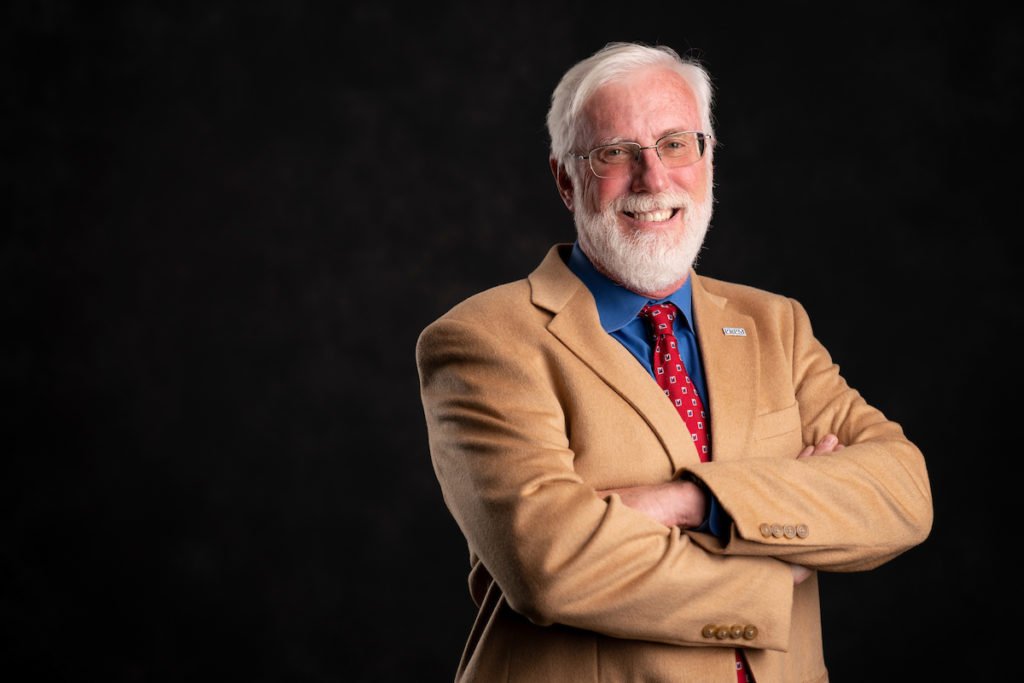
(613, 62)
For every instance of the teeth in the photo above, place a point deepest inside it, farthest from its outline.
(654, 216)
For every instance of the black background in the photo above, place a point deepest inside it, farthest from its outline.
(226, 224)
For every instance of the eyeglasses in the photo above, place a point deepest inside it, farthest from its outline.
(675, 150)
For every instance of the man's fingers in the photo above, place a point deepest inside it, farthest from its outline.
(828, 444)
(800, 573)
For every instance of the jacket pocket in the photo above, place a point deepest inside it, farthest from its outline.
(777, 422)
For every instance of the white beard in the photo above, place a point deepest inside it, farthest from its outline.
(643, 262)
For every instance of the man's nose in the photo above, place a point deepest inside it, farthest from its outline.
(649, 174)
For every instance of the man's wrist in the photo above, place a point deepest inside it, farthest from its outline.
(699, 508)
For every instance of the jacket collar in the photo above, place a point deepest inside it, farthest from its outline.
(730, 362)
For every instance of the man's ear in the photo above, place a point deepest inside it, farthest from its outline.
(563, 182)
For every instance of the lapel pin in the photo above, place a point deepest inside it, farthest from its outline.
(734, 332)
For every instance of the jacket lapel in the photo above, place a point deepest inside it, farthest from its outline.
(577, 325)
(730, 369)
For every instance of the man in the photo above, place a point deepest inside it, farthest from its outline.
(649, 466)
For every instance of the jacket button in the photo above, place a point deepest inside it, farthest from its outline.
(777, 530)
(766, 530)
(736, 631)
(722, 633)
(802, 531)
(789, 530)
(709, 631)
(750, 632)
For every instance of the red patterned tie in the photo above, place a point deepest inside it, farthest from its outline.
(672, 377)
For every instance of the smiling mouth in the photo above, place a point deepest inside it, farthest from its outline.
(658, 216)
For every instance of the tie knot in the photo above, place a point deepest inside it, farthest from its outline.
(660, 317)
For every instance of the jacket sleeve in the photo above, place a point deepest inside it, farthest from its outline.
(850, 510)
(561, 554)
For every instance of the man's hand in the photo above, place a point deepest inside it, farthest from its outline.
(800, 573)
(676, 503)
(828, 444)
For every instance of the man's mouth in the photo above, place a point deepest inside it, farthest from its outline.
(652, 216)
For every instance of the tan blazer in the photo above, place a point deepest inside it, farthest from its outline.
(531, 406)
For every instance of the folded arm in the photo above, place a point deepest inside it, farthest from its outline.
(560, 553)
(857, 508)
(684, 504)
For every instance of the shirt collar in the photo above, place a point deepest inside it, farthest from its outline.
(618, 306)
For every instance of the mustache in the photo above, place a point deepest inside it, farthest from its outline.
(639, 203)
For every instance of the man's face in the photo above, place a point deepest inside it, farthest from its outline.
(645, 229)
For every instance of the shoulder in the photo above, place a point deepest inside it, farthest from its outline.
(477, 325)
(505, 318)
(748, 299)
(490, 307)
(514, 308)
(774, 315)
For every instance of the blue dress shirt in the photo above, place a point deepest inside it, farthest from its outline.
(618, 309)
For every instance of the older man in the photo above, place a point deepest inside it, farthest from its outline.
(649, 466)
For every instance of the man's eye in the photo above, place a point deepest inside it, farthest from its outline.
(615, 154)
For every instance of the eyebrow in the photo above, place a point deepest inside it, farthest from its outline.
(619, 139)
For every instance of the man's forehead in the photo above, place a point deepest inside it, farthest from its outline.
(647, 105)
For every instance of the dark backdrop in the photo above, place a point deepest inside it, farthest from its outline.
(225, 225)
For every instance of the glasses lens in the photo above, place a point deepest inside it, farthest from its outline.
(617, 161)
(681, 149)
(613, 161)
